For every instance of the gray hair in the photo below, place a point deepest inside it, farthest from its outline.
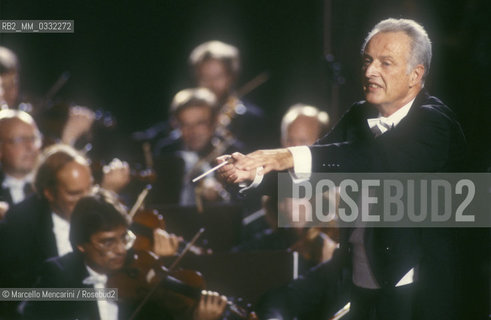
(8, 116)
(8, 61)
(226, 53)
(420, 44)
(301, 109)
(192, 97)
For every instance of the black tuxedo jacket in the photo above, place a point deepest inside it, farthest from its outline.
(69, 271)
(428, 139)
(170, 169)
(4, 192)
(27, 240)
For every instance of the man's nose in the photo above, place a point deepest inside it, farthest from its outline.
(371, 69)
(119, 248)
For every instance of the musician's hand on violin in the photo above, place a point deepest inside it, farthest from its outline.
(79, 122)
(165, 244)
(116, 175)
(211, 306)
(328, 247)
(230, 174)
(4, 206)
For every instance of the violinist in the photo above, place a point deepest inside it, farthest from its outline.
(100, 239)
(77, 126)
(39, 225)
(194, 112)
(216, 65)
(301, 125)
(9, 79)
(37, 228)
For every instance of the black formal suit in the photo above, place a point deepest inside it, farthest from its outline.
(428, 139)
(69, 271)
(247, 116)
(4, 192)
(171, 169)
(28, 240)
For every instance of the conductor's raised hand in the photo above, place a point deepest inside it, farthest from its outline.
(230, 174)
(270, 160)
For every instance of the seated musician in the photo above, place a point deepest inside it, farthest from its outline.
(178, 161)
(9, 79)
(216, 65)
(20, 143)
(100, 240)
(37, 228)
(301, 125)
(61, 122)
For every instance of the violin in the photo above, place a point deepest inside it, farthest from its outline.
(311, 245)
(145, 221)
(143, 225)
(144, 280)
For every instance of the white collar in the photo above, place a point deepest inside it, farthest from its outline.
(59, 222)
(10, 181)
(397, 116)
(381, 124)
(94, 277)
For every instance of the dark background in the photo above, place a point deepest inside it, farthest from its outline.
(130, 57)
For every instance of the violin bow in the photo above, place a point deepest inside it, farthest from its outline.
(139, 201)
(174, 264)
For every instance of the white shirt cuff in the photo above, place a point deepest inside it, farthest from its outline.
(302, 164)
(255, 183)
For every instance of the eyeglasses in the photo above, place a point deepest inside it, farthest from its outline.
(112, 244)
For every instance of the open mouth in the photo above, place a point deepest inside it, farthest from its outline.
(372, 85)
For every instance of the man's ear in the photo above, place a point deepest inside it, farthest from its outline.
(48, 194)
(81, 248)
(416, 75)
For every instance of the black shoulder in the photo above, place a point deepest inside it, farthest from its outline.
(27, 211)
(434, 110)
(64, 271)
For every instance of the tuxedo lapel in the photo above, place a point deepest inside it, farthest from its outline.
(44, 232)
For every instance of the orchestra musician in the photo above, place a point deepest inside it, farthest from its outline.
(38, 227)
(100, 240)
(216, 65)
(59, 122)
(301, 125)
(20, 143)
(395, 273)
(9, 79)
(180, 159)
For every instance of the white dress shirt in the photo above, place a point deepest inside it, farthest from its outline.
(16, 187)
(302, 171)
(302, 157)
(108, 310)
(381, 124)
(61, 229)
